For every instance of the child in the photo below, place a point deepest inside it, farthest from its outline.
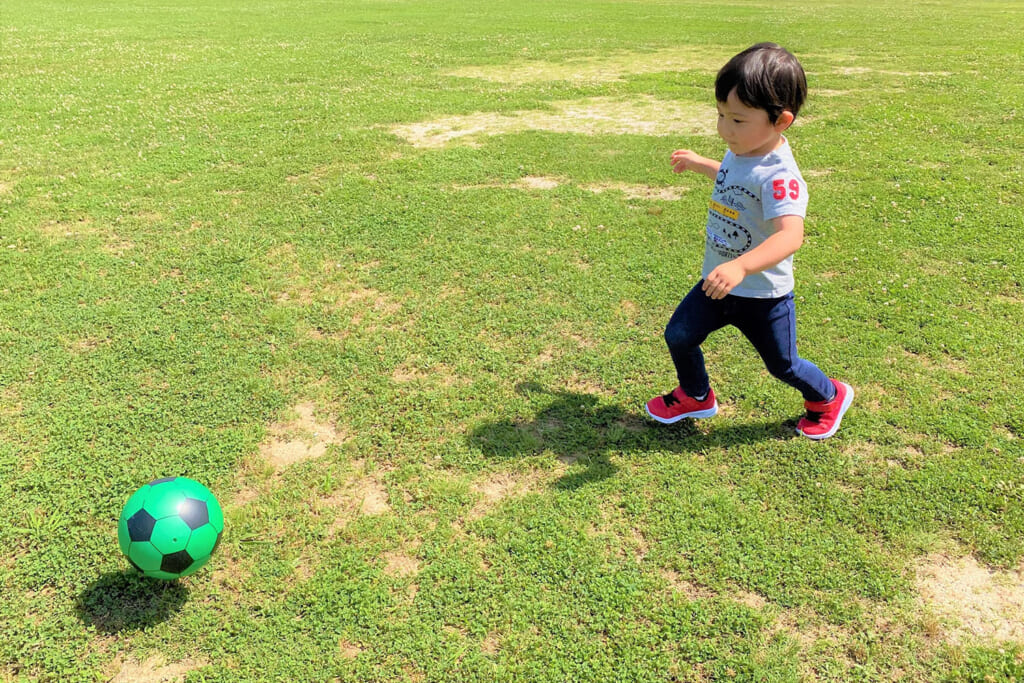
(755, 225)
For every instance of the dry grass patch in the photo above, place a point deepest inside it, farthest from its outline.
(624, 541)
(86, 344)
(616, 66)
(689, 589)
(816, 640)
(975, 601)
(71, 229)
(536, 183)
(399, 563)
(496, 487)
(117, 246)
(229, 571)
(348, 649)
(594, 116)
(85, 227)
(645, 192)
(361, 493)
(751, 600)
(437, 375)
(358, 302)
(302, 438)
(947, 363)
(491, 644)
(155, 670)
(629, 190)
(859, 70)
(578, 384)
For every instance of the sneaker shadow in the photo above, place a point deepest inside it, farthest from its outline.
(578, 428)
(127, 601)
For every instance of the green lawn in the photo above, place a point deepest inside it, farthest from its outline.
(413, 369)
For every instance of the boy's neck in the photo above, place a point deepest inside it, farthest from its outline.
(767, 148)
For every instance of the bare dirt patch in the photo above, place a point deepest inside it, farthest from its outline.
(491, 644)
(302, 438)
(348, 649)
(85, 227)
(70, 229)
(691, 590)
(976, 602)
(156, 670)
(947, 363)
(435, 375)
(594, 116)
(859, 70)
(398, 563)
(524, 183)
(372, 496)
(645, 192)
(628, 190)
(616, 66)
(361, 493)
(87, 344)
(493, 488)
(536, 183)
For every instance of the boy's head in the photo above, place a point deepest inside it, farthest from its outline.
(765, 76)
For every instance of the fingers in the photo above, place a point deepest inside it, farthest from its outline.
(682, 159)
(712, 290)
(716, 287)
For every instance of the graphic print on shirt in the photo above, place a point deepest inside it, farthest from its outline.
(726, 236)
(720, 180)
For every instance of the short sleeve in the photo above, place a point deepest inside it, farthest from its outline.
(784, 194)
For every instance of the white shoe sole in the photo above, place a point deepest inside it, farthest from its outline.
(842, 411)
(697, 414)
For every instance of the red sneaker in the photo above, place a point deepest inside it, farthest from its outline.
(675, 405)
(823, 418)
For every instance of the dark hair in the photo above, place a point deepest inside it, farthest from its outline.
(766, 76)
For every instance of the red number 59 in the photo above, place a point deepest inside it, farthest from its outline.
(779, 189)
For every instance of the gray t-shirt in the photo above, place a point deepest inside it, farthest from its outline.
(749, 192)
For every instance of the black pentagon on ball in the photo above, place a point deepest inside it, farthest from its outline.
(194, 513)
(160, 481)
(176, 563)
(140, 526)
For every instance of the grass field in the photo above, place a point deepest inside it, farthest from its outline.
(390, 277)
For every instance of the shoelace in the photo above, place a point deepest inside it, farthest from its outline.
(814, 416)
(670, 399)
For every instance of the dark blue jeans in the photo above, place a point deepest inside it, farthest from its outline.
(769, 324)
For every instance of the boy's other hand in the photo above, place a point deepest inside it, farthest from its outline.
(684, 159)
(723, 279)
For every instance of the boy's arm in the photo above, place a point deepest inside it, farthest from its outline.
(686, 160)
(788, 237)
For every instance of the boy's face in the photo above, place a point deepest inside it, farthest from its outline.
(747, 130)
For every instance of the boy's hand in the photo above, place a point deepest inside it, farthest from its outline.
(723, 279)
(684, 160)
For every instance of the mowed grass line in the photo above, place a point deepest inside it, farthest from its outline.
(414, 379)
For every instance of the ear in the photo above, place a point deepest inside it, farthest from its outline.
(784, 121)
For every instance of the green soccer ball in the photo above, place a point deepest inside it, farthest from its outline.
(170, 527)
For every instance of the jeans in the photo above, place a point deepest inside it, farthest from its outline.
(769, 324)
